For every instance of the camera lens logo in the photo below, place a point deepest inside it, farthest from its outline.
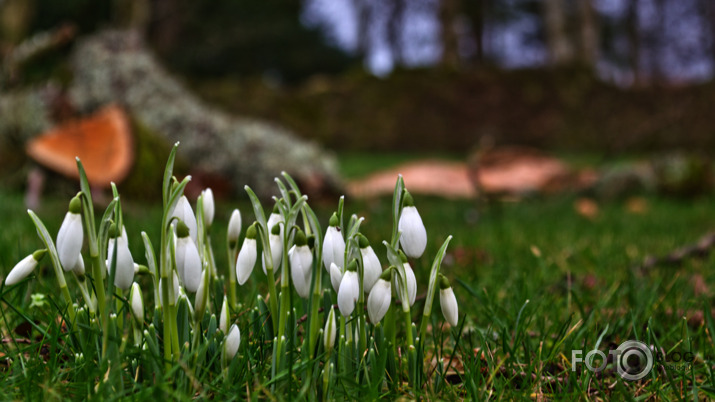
(634, 360)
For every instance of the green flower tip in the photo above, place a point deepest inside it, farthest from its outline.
(334, 221)
(353, 265)
(403, 257)
(182, 230)
(113, 231)
(276, 229)
(408, 201)
(251, 232)
(275, 209)
(387, 274)
(76, 205)
(362, 241)
(38, 254)
(300, 239)
(444, 282)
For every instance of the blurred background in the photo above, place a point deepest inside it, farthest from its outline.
(476, 81)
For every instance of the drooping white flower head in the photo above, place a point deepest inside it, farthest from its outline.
(188, 261)
(450, 308)
(349, 290)
(185, 213)
(301, 265)
(234, 227)
(125, 264)
(79, 267)
(274, 219)
(70, 236)
(378, 302)
(333, 245)
(276, 250)
(410, 278)
(24, 268)
(224, 318)
(414, 236)
(232, 342)
(336, 276)
(372, 269)
(247, 256)
(208, 206)
(330, 330)
(137, 302)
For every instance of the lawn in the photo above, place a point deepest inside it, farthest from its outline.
(534, 279)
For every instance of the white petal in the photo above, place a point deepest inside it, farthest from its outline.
(125, 265)
(191, 264)
(372, 268)
(208, 206)
(232, 342)
(273, 219)
(234, 225)
(223, 317)
(21, 270)
(414, 236)
(348, 293)
(411, 284)
(333, 248)
(301, 261)
(79, 267)
(276, 252)
(336, 276)
(69, 240)
(201, 297)
(450, 309)
(378, 302)
(246, 260)
(183, 211)
(137, 302)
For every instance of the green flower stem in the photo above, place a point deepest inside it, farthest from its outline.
(99, 284)
(232, 254)
(432, 287)
(285, 290)
(166, 314)
(314, 308)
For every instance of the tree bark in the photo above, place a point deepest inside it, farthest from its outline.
(450, 42)
(395, 24)
(588, 35)
(362, 11)
(476, 11)
(634, 42)
(557, 40)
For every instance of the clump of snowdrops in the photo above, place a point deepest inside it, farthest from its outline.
(337, 315)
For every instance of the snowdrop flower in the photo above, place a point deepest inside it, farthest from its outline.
(71, 235)
(333, 245)
(185, 214)
(372, 269)
(448, 301)
(336, 276)
(301, 265)
(274, 219)
(410, 278)
(234, 228)
(378, 302)
(137, 303)
(124, 276)
(208, 206)
(224, 319)
(247, 256)
(188, 261)
(330, 330)
(24, 268)
(414, 236)
(232, 342)
(349, 290)
(276, 249)
(79, 268)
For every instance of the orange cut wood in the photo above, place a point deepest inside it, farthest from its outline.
(102, 141)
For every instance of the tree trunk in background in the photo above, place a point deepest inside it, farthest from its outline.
(657, 43)
(588, 34)
(560, 49)
(634, 42)
(395, 24)
(362, 11)
(475, 10)
(448, 12)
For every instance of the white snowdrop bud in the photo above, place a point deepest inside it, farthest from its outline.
(234, 228)
(24, 268)
(349, 290)
(301, 265)
(224, 318)
(137, 302)
(276, 250)
(232, 342)
(70, 236)
(333, 245)
(414, 236)
(185, 213)
(411, 281)
(448, 301)
(188, 261)
(372, 269)
(275, 218)
(247, 256)
(208, 206)
(378, 302)
(336, 276)
(330, 330)
(125, 264)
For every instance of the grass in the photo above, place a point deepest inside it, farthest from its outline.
(534, 281)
